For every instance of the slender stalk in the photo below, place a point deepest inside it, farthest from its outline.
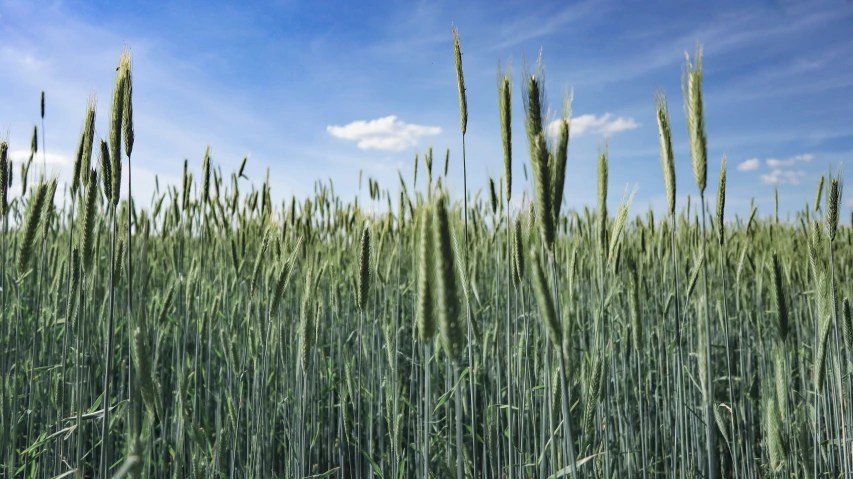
(105, 425)
(680, 446)
(569, 440)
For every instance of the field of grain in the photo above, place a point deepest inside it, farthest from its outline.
(212, 333)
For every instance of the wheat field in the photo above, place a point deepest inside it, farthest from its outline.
(213, 333)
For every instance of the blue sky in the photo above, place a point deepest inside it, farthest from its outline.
(309, 89)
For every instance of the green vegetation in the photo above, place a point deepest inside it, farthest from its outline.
(215, 334)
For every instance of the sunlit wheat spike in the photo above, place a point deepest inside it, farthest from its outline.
(126, 68)
(446, 289)
(847, 322)
(603, 171)
(593, 393)
(561, 156)
(493, 196)
(556, 390)
(776, 202)
(34, 143)
(542, 176)
(364, 269)
(779, 293)
(205, 190)
(814, 246)
(119, 260)
(88, 138)
(722, 423)
(818, 194)
(75, 286)
(221, 449)
(751, 219)
(78, 166)
(773, 433)
(533, 100)
(505, 107)
(284, 276)
(460, 264)
(166, 305)
(833, 199)
(115, 178)
(823, 325)
(696, 118)
(4, 178)
(460, 79)
(401, 215)
(31, 226)
(446, 161)
(106, 170)
(88, 224)
(415, 175)
(49, 202)
(721, 203)
(259, 261)
(545, 299)
(531, 218)
(116, 123)
(694, 275)
(517, 254)
(25, 169)
(666, 154)
(781, 376)
(186, 184)
(618, 226)
(428, 165)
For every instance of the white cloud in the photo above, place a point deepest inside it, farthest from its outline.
(388, 133)
(749, 165)
(604, 125)
(780, 177)
(54, 159)
(774, 163)
(781, 172)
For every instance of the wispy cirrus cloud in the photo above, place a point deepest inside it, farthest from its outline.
(604, 125)
(751, 164)
(387, 133)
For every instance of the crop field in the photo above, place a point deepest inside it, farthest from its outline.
(210, 333)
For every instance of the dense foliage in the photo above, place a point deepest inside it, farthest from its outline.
(231, 337)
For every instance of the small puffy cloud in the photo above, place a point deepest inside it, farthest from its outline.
(774, 163)
(780, 177)
(749, 165)
(388, 133)
(782, 171)
(604, 125)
